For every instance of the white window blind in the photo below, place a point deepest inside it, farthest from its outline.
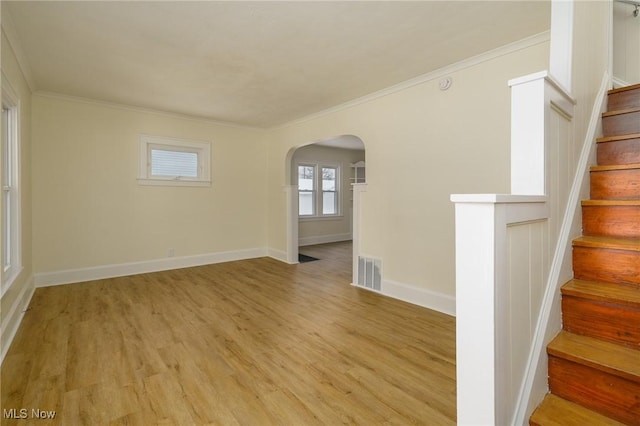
(175, 162)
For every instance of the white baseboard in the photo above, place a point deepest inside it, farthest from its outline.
(323, 239)
(111, 271)
(618, 82)
(11, 321)
(417, 296)
(278, 255)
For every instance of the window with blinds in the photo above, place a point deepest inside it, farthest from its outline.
(165, 161)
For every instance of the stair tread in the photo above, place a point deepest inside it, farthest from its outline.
(606, 139)
(556, 411)
(615, 167)
(603, 291)
(631, 244)
(631, 203)
(621, 112)
(624, 89)
(608, 357)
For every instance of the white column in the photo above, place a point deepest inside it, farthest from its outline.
(291, 192)
(475, 314)
(358, 189)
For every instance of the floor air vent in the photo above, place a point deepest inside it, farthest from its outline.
(369, 275)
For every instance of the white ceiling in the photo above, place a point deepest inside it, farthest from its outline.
(254, 63)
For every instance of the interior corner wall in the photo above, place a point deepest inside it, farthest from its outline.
(17, 296)
(90, 212)
(422, 144)
(626, 43)
(312, 230)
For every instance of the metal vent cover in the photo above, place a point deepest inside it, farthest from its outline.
(369, 273)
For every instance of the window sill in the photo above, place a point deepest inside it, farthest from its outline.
(172, 182)
(315, 218)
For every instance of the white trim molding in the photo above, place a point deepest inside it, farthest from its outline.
(12, 320)
(429, 299)
(434, 75)
(124, 107)
(111, 271)
(279, 255)
(9, 30)
(618, 82)
(323, 239)
(439, 302)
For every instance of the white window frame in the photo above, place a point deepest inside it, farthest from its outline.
(337, 191)
(314, 189)
(202, 149)
(11, 265)
(318, 192)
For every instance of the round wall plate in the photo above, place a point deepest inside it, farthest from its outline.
(445, 83)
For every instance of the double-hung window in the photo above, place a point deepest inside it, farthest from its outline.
(307, 189)
(10, 250)
(165, 161)
(318, 190)
(329, 190)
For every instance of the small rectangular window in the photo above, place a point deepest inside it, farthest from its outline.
(165, 161)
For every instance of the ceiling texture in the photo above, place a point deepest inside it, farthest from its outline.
(257, 64)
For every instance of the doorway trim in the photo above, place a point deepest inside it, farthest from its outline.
(291, 213)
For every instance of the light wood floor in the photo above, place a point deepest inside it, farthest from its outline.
(254, 342)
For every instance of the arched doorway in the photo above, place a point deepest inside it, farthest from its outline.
(320, 193)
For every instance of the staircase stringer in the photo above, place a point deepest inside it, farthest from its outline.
(535, 384)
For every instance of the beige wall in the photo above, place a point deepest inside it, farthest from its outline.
(422, 145)
(310, 230)
(626, 43)
(90, 211)
(13, 300)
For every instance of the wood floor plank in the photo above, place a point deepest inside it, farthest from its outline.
(249, 342)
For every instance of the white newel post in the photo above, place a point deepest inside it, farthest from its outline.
(482, 309)
(532, 97)
(475, 307)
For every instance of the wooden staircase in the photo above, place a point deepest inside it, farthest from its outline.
(594, 363)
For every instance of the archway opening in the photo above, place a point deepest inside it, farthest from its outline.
(321, 177)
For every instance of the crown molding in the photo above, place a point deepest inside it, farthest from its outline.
(145, 110)
(433, 75)
(10, 33)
